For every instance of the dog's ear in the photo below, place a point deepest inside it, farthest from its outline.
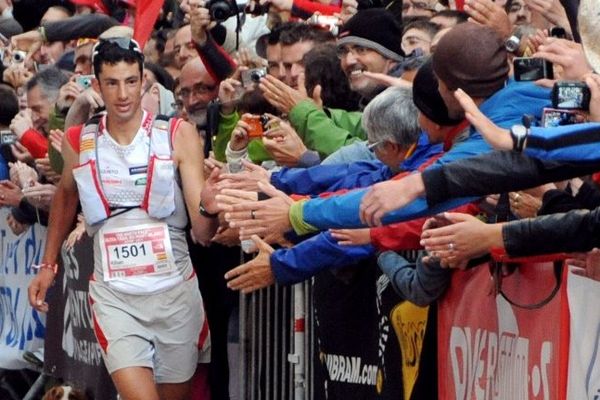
(56, 393)
(77, 395)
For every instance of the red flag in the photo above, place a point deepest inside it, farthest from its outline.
(457, 4)
(146, 14)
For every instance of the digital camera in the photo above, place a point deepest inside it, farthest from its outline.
(532, 69)
(252, 76)
(221, 10)
(571, 95)
(258, 125)
(18, 57)
(85, 81)
(331, 23)
(7, 139)
(553, 117)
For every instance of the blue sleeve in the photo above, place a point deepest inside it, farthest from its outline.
(4, 171)
(568, 143)
(327, 178)
(314, 255)
(418, 283)
(343, 211)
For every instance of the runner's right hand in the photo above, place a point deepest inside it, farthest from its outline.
(38, 288)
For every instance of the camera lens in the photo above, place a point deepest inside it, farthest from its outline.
(264, 120)
(18, 56)
(220, 10)
(255, 77)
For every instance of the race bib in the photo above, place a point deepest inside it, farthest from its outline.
(137, 250)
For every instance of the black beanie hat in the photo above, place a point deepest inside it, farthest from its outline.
(471, 57)
(374, 28)
(427, 97)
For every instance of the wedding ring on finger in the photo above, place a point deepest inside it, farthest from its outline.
(451, 247)
(252, 215)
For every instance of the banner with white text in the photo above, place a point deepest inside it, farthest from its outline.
(72, 351)
(492, 349)
(21, 327)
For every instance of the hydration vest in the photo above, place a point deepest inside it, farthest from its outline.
(159, 193)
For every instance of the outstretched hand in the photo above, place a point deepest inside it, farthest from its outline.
(496, 137)
(262, 217)
(465, 237)
(256, 273)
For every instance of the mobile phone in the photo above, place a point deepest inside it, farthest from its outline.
(532, 69)
(558, 32)
(7, 138)
(571, 95)
(258, 125)
(252, 76)
(553, 117)
(85, 81)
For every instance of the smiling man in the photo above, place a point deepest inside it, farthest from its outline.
(138, 177)
(362, 48)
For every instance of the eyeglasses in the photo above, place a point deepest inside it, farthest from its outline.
(199, 89)
(374, 145)
(343, 50)
(420, 6)
(123, 42)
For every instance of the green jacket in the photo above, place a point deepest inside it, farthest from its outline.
(326, 130)
(56, 120)
(256, 150)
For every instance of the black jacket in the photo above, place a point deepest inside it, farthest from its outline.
(577, 230)
(497, 172)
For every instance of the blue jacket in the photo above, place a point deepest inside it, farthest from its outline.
(322, 251)
(568, 143)
(333, 177)
(505, 108)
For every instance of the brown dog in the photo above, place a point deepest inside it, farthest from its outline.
(64, 392)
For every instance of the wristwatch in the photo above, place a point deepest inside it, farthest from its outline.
(512, 44)
(205, 213)
(519, 134)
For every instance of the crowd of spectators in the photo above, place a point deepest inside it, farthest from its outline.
(334, 132)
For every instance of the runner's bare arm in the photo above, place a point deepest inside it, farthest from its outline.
(189, 156)
(62, 215)
(63, 209)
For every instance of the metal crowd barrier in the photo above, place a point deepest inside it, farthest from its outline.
(277, 344)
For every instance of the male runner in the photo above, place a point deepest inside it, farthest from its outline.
(135, 177)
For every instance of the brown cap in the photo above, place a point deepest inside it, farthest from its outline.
(471, 57)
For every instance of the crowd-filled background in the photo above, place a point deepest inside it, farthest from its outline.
(339, 137)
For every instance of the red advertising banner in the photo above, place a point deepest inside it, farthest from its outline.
(491, 349)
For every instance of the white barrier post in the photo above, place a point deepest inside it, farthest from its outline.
(298, 357)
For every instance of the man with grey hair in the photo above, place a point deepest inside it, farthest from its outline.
(31, 125)
(392, 127)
